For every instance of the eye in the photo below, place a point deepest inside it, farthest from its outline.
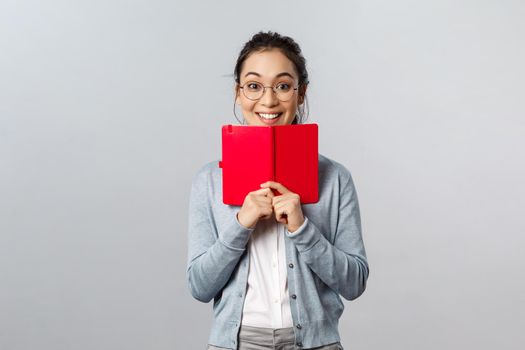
(283, 87)
(253, 86)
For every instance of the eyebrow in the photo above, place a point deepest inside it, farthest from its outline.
(277, 76)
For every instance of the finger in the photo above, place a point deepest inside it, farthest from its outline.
(282, 208)
(263, 202)
(275, 185)
(279, 206)
(264, 192)
(266, 212)
(279, 199)
(281, 216)
(290, 197)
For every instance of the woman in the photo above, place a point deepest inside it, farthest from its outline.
(275, 267)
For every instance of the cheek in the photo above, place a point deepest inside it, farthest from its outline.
(292, 108)
(246, 104)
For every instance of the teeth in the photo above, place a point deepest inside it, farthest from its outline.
(269, 116)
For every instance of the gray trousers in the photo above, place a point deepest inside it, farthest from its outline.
(255, 338)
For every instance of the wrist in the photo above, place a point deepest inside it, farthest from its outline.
(243, 223)
(294, 227)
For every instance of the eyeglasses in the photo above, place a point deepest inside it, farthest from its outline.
(254, 90)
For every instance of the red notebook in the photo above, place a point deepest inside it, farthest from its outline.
(287, 154)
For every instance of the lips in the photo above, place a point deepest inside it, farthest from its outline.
(269, 118)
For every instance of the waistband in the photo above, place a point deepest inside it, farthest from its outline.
(266, 336)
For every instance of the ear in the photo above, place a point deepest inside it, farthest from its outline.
(302, 93)
(236, 91)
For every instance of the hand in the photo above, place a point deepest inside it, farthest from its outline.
(287, 206)
(257, 205)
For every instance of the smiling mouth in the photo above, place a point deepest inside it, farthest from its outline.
(269, 116)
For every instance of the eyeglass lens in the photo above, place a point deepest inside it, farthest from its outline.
(255, 90)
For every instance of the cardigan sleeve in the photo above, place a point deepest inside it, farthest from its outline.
(211, 259)
(343, 265)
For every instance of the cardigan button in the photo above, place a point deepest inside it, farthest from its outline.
(299, 344)
(294, 296)
(290, 265)
(298, 326)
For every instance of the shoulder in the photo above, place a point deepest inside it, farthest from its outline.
(207, 173)
(208, 168)
(334, 171)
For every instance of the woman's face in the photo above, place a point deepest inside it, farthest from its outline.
(268, 68)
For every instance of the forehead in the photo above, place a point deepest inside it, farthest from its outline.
(268, 64)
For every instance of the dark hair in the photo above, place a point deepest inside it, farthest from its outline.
(270, 40)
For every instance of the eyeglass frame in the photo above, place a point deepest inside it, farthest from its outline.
(264, 91)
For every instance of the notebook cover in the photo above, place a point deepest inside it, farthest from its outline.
(296, 159)
(252, 155)
(247, 160)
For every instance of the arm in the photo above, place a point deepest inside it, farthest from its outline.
(211, 259)
(342, 266)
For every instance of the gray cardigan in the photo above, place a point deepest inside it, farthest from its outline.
(326, 257)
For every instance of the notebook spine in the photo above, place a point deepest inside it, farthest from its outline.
(272, 150)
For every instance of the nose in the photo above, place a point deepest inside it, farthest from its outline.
(269, 97)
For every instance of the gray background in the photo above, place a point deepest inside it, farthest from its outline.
(108, 108)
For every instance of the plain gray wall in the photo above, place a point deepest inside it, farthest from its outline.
(108, 108)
